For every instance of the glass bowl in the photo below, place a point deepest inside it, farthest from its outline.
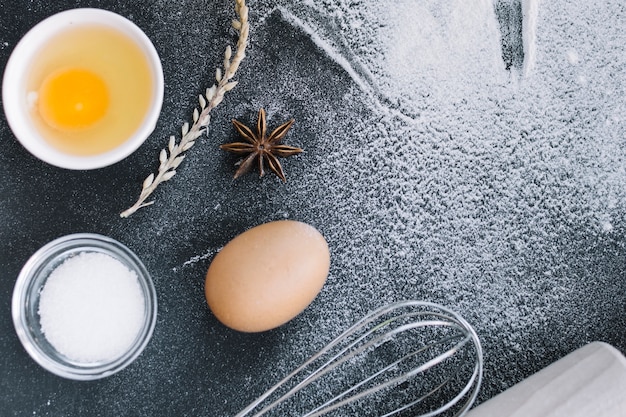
(26, 297)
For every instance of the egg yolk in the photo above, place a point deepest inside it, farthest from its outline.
(73, 99)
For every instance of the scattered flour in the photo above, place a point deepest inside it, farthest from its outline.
(484, 189)
(434, 173)
(195, 259)
(423, 57)
(530, 11)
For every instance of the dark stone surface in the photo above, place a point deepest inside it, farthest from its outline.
(193, 365)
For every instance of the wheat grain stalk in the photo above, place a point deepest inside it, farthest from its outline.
(171, 157)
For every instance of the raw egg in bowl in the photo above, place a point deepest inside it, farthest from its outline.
(83, 89)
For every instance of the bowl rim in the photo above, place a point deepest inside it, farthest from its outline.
(72, 244)
(14, 99)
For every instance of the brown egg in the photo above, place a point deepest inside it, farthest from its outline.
(267, 275)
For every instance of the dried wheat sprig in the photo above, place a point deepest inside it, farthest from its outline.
(172, 156)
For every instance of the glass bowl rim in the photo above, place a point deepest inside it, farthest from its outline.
(60, 249)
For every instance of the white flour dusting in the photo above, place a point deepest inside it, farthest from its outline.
(467, 195)
(453, 154)
(530, 10)
(435, 174)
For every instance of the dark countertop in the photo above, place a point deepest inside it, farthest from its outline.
(569, 287)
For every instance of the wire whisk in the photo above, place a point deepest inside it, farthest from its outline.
(408, 358)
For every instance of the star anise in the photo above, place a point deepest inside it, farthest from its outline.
(259, 146)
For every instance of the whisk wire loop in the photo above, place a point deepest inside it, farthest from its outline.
(437, 340)
(390, 383)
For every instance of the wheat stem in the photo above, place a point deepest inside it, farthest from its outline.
(173, 156)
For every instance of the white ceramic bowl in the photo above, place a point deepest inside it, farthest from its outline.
(14, 90)
(27, 292)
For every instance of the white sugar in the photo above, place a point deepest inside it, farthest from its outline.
(91, 308)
